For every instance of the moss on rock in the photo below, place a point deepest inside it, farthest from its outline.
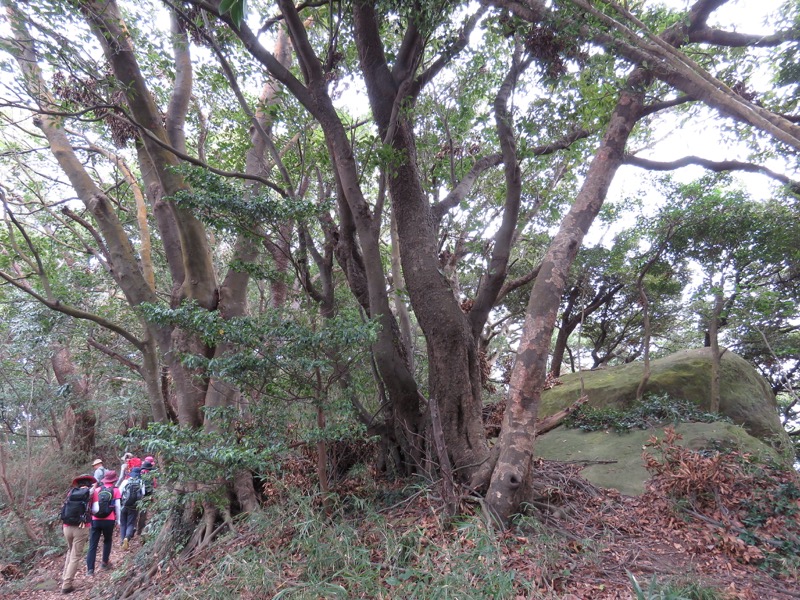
(622, 467)
(745, 397)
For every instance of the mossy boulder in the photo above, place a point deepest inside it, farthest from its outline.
(618, 456)
(745, 400)
(745, 396)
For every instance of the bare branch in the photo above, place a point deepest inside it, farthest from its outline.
(712, 165)
(92, 231)
(115, 355)
(464, 186)
(665, 104)
(451, 50)
(510, 286)
(733, 39)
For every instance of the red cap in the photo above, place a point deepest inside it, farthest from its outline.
(82, 480)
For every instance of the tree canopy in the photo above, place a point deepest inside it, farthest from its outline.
(260, 224)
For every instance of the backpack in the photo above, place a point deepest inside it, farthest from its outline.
(105, 502)
(76, 506)
(132, 492)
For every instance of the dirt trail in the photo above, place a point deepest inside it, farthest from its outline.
(45, 581)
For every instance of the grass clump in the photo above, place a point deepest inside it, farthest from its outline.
(674, 590)
(652, 410)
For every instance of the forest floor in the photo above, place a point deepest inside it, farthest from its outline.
(742, 544)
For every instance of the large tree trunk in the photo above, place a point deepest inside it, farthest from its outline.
(454, 375)
(511, 476)
(105, 20)
(357, 217)
(85, 419)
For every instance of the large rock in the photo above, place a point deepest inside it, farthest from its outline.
(745, 398)
(617, 457)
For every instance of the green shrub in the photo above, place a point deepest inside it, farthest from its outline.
(654, 409)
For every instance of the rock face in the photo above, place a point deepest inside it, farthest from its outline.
(745, 398)
(619, 455)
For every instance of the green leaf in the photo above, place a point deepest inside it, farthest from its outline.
(236, 8)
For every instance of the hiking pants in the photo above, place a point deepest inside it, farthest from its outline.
(76, 543)
(104, 527)
(127, 520)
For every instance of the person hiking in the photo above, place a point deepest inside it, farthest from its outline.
(131, 491)
(105, 512)
(124, 469)
(99, 469)
(150, 484)
(77, 519)
(148, 474)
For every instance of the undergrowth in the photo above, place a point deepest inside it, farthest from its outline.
(292, 551)
(750, 509)
(653, 409)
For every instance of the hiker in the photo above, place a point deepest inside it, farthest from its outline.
(76, 518)
(148, 473)
(124, 470)
(150, 484)
(105, 512)
(99, 470)
(131, 491)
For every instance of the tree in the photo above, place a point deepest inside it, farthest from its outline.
(584, 297)
(746, 251)
(471, 189)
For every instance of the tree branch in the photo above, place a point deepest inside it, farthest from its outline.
(115, 355)
(665, 104)
(672, 66)
(451, 51)
(182, 88)
(733, 39)
(92, 231)
(410, 51)
(460, 191)
(39, 267)
(71, 311)
(497, 269)
(510, 286)
(711, 165)
(306, 57)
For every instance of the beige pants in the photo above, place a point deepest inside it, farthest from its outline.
(76, 544)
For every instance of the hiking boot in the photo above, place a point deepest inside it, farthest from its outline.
(67, 589)
(125, 544)
(90, 572)
(106, 565)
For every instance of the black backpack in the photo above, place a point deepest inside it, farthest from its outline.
(132, 492)
(75, 509)
(105, 502)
